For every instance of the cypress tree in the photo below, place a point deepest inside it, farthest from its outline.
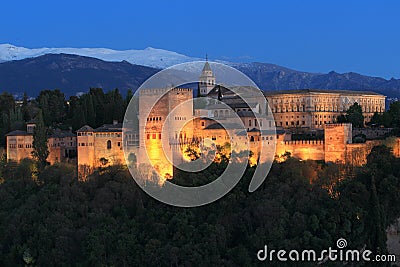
(355, 116)
(90, 113)
(128, 98)
(25, 110)
(40, 150)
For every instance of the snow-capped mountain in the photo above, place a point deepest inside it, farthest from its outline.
(76, 69)
(152, 57)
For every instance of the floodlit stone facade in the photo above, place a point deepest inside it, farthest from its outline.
(61, 145)
(100, 147)
(312, 108)
(168, 128)
(19, 146)
(171, 110)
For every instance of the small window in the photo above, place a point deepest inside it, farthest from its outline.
(109, 144)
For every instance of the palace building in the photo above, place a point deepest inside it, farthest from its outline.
(313, 108)
(307, 108)
(168, 127)
(99, 147)
(19, 145)
(61, 145)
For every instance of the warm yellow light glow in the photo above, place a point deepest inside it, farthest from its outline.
(158, 160)
(191, 152)
(252, 161)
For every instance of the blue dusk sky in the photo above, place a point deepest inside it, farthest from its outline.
(315, 36)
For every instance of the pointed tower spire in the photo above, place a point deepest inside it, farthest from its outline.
(207, 79)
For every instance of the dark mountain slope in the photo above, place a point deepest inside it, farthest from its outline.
(73, 74)
(70, 73)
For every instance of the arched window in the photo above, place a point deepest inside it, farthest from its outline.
(109, 144)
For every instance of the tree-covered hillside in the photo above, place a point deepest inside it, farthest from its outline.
(51, 219)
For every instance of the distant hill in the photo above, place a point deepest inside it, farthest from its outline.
(73, 74)
(70, 73)
(274, 77)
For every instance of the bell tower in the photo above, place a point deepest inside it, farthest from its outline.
(206, 80)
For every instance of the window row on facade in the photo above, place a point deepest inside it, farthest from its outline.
(108, 144)
(277, 109)
(285, 99)
(20, 146)
(154, 118)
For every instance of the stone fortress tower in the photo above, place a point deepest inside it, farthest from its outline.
(162, 127)
(337, 137)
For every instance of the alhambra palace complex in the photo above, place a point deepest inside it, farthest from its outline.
(308, 110)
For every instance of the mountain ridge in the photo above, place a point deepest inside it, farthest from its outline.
(74, 73)
(151, 57)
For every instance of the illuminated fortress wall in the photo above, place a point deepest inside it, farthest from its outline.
(161, 116)
(100, 147)
(304, 149)
(337, 137)
(171, 123)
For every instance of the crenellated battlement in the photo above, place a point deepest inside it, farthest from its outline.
(182, 90)
(161, 91)
(153, 91)
(302, 149)
(337, 124)
(303, 142)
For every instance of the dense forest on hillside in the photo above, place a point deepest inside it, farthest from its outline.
(51, 219)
